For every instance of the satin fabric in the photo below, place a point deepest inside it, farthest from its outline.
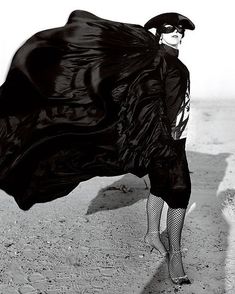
(79, 101)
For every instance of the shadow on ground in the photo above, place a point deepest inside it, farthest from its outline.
(124, 192)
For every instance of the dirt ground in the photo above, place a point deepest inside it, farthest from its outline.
(92, 240)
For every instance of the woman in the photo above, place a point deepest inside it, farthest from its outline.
(97, 98)
(170, 182)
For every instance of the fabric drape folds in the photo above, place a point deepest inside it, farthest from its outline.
(79, 101)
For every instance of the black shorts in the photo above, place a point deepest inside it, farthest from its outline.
(171, 180)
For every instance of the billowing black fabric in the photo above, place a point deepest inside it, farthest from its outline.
(82, 100)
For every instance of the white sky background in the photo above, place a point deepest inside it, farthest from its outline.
(208, 51)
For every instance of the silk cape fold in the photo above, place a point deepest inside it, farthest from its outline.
(82, 100)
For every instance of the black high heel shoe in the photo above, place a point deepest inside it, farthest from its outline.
(181, 280)
(149, 240)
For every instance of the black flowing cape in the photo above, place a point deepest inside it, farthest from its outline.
(79, 101)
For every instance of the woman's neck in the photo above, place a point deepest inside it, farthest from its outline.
(170, 50)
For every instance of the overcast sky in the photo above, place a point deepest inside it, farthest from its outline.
(208, 51)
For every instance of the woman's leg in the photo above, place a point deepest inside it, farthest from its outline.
(154, 212)
(175, 222)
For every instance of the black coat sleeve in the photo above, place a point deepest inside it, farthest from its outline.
(176, 79)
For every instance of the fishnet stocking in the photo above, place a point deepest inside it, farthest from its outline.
(154, 211)
(175, 221)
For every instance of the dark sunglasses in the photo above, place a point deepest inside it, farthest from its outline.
(170, 29)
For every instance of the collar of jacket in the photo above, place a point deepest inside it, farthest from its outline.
(170, 50)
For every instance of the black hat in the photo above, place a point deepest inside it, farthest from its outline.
(172, 18)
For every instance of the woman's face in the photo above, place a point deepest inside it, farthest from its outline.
(172, 38)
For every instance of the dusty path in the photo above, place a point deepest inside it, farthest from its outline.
(92, 240)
